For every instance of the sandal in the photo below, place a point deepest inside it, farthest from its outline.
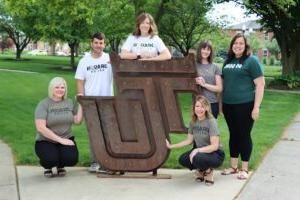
(199, 175)
(61, 172)
(209, 177)
(243, 174)
(229, 171)
(48, 173)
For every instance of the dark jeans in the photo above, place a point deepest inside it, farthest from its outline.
(240, 123)
(55, 154)
(215, 109)
(202, 161)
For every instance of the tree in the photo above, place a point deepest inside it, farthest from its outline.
(183, 23)
(282, 17)
(273, 47)
(116, 19)
(69, 21)
(254, 42)
(4, 43)
(20, 28)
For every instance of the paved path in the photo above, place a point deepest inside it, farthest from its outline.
(81, 185)
(8, 183)
(278, 176)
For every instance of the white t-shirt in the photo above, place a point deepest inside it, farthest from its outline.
(97, 74)
(140, 44)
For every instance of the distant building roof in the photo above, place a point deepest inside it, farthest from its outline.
(253, 24)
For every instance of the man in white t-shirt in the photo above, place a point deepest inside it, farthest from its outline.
(94, 77)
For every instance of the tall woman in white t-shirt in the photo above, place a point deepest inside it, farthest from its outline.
(144, 43)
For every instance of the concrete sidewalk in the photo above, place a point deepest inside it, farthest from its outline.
(81, 185)
(278, 176)
(8, 181)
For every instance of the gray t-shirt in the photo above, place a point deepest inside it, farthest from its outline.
(202, 130)
(209, 72)
(58, 116)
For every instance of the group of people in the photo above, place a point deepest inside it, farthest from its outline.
(236, 90)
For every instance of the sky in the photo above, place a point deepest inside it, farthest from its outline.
(230, 12)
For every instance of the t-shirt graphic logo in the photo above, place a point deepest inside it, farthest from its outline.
(97, 68)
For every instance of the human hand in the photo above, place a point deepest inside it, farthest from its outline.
(255, 113)
(197, 79)
(202, 81)
(146, 54)
(65, 141)
(193, 153)
(169, 146)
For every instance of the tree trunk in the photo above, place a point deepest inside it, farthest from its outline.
(72, 56)
(52, 47)
(290, 54)
(18, 54)
(77, 50)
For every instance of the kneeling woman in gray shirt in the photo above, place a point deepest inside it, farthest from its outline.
(207, 153)
(55, 145)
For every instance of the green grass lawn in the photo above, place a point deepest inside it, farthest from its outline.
(20, 93)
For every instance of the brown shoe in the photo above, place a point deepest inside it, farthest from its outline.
(229, 171)
(209, 177)
(199, 175)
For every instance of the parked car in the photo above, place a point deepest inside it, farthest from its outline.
(37, 52)
(61, 53)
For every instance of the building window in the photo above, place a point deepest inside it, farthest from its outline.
(267, 36)
(265, 52)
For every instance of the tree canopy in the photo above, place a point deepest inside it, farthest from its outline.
(283, 18)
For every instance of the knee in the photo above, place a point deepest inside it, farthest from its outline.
(183, 160)
(70, 160)
(49, 162)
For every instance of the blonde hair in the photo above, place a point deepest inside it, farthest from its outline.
(55, 82)
(205, 103)
(140, 19)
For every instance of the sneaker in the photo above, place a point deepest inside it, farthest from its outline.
(102, 170)
(94, 167)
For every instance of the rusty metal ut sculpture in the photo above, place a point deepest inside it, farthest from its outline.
(128, 131)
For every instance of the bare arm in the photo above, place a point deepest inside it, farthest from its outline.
(80, 87)
(259, 93)
(214, 145)
(164, 55)
(189, 140)
(218, 87)
(46, 132)
(77, 119)
(128, 55)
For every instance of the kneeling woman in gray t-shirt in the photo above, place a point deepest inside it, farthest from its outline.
(55, 145)
(207, 153)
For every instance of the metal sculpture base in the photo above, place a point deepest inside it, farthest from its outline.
(136, 175)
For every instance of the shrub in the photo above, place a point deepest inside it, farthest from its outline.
(272, 60)
(219, 59)
(264, 60)
(289, 81)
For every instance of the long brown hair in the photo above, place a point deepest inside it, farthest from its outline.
(203, 45)
(231, 55)
(205, 103)
(140, 19)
